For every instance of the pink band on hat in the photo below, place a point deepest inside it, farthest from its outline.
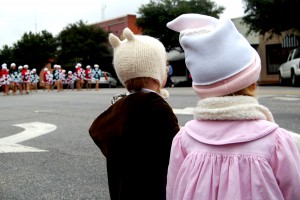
(233, 84)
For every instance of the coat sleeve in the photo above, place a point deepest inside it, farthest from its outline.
(177, 157)
(286, 165)
(101, 129)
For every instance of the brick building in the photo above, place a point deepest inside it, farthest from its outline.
(117, 25)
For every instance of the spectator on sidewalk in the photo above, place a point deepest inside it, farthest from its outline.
(170, 73)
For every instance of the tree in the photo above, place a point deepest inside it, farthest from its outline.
(34, 50)
(272, 16)
(82, 43)
(6, 55)
(155, 15)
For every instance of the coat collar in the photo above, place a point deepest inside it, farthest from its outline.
(231, 108)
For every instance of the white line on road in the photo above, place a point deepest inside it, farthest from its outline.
(184, 111)
(287, 98)
(32, 130)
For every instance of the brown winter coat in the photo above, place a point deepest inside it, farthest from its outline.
(135, 136)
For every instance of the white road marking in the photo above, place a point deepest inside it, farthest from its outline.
(32, 130)
(185, 111)
(287, 98)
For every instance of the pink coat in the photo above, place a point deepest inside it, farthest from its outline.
(233, 160)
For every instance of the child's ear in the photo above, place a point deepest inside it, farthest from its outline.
(253, 86)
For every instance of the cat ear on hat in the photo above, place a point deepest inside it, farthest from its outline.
(128, 34)
(114, 40)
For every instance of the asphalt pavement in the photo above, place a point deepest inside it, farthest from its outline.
(46, 151)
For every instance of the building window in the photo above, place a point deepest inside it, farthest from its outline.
(291, 41)
(276, 55)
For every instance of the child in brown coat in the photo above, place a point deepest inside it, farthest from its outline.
(136, 132)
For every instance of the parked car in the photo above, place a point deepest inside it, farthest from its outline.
(289, 72)
(106, 80)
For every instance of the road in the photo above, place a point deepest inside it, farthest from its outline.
(46, 151)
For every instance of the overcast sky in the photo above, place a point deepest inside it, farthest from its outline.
(20, 16)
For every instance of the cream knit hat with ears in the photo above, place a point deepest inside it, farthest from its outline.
(138, 56)
(219, 58)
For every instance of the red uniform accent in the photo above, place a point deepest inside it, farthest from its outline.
(88, 74)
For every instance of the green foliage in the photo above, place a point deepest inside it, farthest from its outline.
(34, 50)
(273, 16)
(81, 43)
(155, 15)
(6, 55)
(76, 43)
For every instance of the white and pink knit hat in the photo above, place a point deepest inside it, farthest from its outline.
(221, 61)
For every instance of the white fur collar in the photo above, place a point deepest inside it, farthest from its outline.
(231, 108)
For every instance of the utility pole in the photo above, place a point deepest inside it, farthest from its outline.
(35, 21)
(103, 7)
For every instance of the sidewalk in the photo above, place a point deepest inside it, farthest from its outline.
(277, 90)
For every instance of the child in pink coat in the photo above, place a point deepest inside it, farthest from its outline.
(233, 149)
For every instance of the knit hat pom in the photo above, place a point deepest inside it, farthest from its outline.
(164, 93)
